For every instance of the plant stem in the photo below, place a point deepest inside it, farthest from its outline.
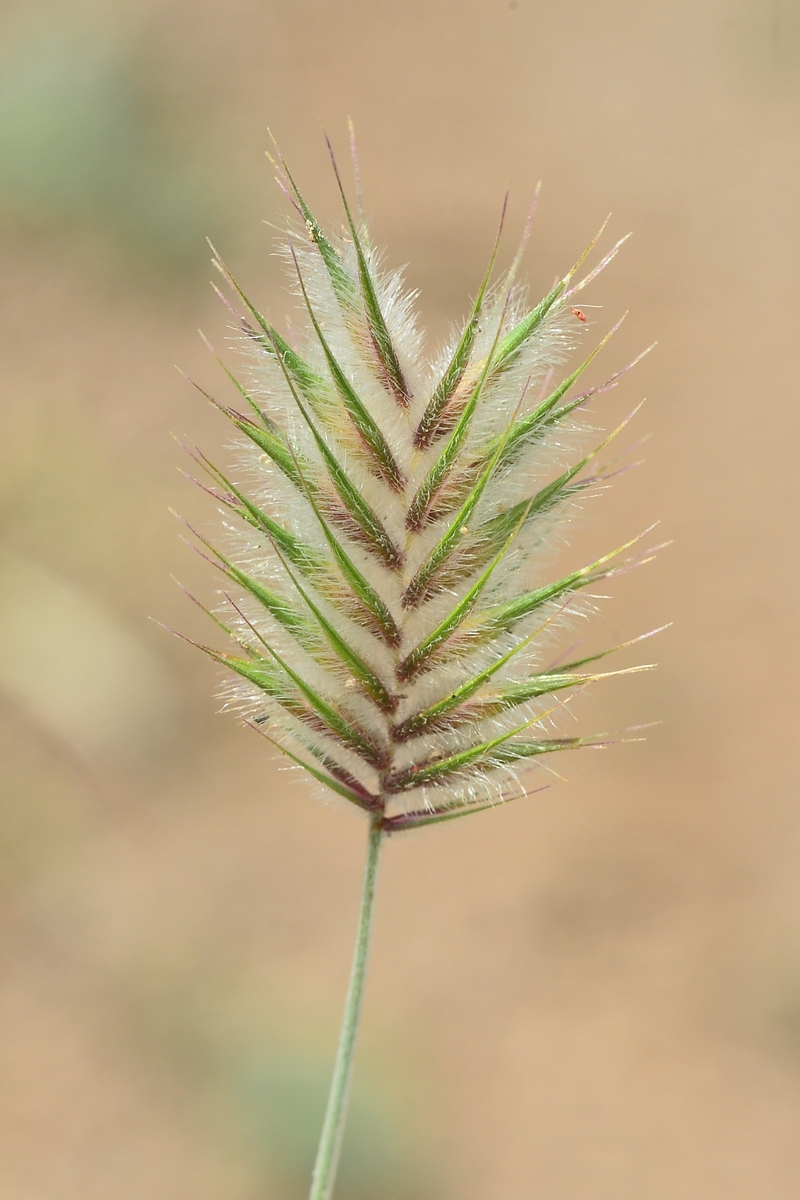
(330, 1142)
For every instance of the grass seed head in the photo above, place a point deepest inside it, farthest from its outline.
(391, 524)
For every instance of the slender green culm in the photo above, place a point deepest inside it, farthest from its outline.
(330, 1143)
(387, 538)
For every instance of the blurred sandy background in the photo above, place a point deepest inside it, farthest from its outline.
(592, 995)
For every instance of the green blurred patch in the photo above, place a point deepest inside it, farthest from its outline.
(83, 142)
(765, 38)
(278, 1101)
(261, 1086)
(45, 811)
(81, 675)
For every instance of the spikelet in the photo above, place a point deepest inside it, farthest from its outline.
(391, 527)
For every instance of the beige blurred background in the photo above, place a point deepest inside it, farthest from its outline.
(590, 995)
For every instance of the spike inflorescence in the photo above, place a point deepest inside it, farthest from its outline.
(391, 527)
